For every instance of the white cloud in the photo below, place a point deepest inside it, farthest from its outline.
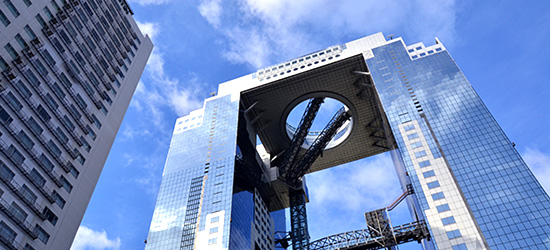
(150, 29)
(88, 239)
(211, 10)
(540, 165)
(158, 89)
(359, 186)
(273, 30)
(340, 196)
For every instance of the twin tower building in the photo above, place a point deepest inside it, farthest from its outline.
(70, 67)
(235, 164)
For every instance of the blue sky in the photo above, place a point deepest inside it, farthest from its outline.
(501, 46)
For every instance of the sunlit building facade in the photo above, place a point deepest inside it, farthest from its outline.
(221, 191)
(69, 70)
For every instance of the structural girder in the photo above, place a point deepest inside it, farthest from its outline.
(298, 140)
(296, 172)
(363, 240)
(298, 220)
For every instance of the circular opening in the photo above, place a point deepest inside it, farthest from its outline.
(326, 112)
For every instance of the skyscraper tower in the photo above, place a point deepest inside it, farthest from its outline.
(69, 70)
(222, 188)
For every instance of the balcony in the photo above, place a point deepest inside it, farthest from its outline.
(16, 189)
(25, 226)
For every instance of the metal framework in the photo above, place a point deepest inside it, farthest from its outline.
(298, 220)
(296, 172)
(292, 169)
(318, 146)
(300, 135)
(363, 239)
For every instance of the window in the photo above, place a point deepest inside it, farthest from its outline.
(65, 81)
(35, 127)
(45, 162)
(11, 51)
(40, 67)
(51, 102)
(91, 133)
(48, 57)
(17, 212)
(48, 13)
(428, 174)
(74, 112)
(433, 184)
(6, 232)
(443, 208)
(416, 145)
(12, 8)
(41, 20)
(73, 170)
(20, 41)
(43, 113)
(25, 140)
(32, 78)
(85, 144)
(66, 184)
(54, 149)
(5, 118)
(212, 241)
(50, 216)
(27, 2)
(409, 127)
(28, 247)
(449, 220)
(5, 172)
(424, 163)
(15, 155)
(81, 159)
(96, 122)
(3, 64)
(80, 101)
(4, 19)
(454, 234)
(55, 6)
(58, 91)
(23, 90)
(58, 200)
(28, 194)
(420, 154)
(438, 196)
(460, 247)
(215, 219)
(412, 136)
(42, 235)
(213, 230)
(37, 178)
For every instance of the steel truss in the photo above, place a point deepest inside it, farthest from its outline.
(298, 220)
(295, 173)
(300, 135)
(363, 239)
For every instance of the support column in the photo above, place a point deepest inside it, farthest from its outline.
(298, 220)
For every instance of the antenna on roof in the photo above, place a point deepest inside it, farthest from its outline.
(213, 93)
(390, 36)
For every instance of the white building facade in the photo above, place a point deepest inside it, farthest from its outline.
(69, 70)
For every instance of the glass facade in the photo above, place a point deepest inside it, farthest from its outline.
(507, 204)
